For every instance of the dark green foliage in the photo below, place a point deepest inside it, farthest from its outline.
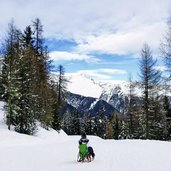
(71, 123)
(61, 84)
(9, 72)
(167, 106)
(116, 126)
(59, 88)
(100, 122)
(75, 127)
(25, 119)
(25, 85)
(56, 124)
(38, 38)
(28, 37)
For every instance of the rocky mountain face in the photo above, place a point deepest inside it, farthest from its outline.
(114, 97)
(89, 96)
(92, 105)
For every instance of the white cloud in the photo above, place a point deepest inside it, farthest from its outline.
(73, 18)
(101, 74)
(112, 71)
(69, 56)
(123, 43)
(106, 25)
(161, 68)
(94, 74)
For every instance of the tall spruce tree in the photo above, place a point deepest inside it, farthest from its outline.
(25, 118)
(166, 53)
(56, 120)
(38, 38)
(132, 112)
(150, 80)
(130, 108)
(60, 86)
(11, 58)
(43, 106)
(117, 125)
(166, 47)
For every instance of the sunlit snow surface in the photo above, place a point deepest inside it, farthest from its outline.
(52, 151)
(84, 85)
(79, 84)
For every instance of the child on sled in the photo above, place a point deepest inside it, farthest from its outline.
(85, 152)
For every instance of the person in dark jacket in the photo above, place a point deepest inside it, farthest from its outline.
(85, 150)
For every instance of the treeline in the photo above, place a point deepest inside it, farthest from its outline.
(30, 95)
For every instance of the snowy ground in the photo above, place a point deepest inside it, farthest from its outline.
(50, 151)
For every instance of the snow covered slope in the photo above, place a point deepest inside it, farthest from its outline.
(52, 151)
(80, 84)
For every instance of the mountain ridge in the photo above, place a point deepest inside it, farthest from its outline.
(110, 95)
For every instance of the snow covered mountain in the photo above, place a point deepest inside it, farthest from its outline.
(114, 96)
(89, 95)
(86, 86)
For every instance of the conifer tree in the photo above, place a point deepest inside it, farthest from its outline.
(165, 51)
(42, 89)
(130, 108)
(109, 130)
(116, 126)
(150, 80)
(56, 119)
(9, 79)
(38, 38)
(166, 47)
(158, 123)
(24, 73)
(75, 127)
(132, 112)
(25, 118)
(100, 123)
(167, 105)
(67, 123)
(25, 81)
(87, 124)
(60, 86)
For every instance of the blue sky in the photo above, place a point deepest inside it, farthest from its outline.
(99, 65)
(99, 38)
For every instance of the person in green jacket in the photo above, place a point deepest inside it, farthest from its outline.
(83, 150)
